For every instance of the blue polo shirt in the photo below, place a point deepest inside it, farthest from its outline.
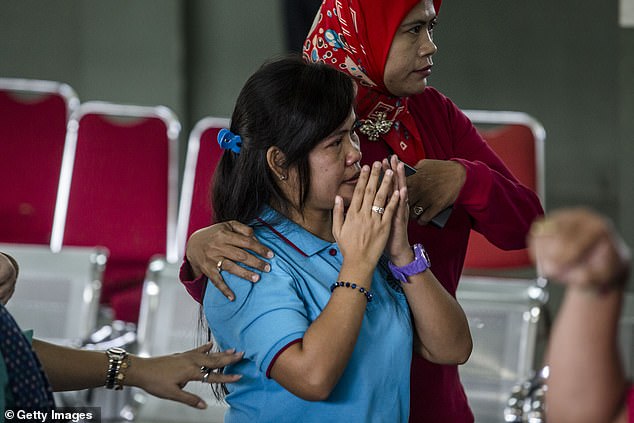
(268, 316)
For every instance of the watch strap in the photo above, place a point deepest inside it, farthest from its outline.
(118, 362)
(419, 265)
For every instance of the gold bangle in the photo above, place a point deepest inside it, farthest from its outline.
(125, 364)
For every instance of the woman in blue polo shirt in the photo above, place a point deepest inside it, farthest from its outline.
(328, 333)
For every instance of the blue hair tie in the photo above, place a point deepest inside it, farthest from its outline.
(229, 141)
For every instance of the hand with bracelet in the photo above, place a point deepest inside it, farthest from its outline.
(441, 329)
(67, 368)
(162, 376)
(361, 235)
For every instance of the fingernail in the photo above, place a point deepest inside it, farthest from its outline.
(231, 297)
(388, 172)
(201, 405)
(270, 254)
(255, 278)
(267, 268)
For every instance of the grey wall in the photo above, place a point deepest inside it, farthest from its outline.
(626, 114)
(567, 63)
(227, 41)
(570, 65)
(558, 61)
(121, 51)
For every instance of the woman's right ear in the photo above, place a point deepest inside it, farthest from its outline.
(276, 160)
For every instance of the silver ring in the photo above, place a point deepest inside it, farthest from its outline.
(219, 265)
(418, 210)
(377, 209)
(207, 372)
(206, 376)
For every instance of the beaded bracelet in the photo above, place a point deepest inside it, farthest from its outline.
(367, 293)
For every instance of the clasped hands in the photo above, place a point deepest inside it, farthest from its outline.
(434, 187)
(376, 219)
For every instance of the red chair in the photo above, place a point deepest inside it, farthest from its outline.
(33, 118)
(519, 141)
(505, 308)
(203, 154)
(118, 189)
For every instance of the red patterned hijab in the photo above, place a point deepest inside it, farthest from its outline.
(355, 37)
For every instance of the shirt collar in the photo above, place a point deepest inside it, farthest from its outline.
(290, 232)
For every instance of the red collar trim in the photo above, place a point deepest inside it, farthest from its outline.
(282, 237)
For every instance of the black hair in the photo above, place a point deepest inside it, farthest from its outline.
(286, 103)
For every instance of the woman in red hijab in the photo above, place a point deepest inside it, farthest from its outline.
(387, 47)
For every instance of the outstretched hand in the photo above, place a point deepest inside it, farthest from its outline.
(166, 376)
(222, 246)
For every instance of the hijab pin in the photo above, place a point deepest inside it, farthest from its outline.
(373, 129)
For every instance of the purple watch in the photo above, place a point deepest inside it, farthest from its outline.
(419, 265)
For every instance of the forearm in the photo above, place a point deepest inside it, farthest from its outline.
(587, 382)
(71, 369)
(502, 208)
(312, 368)
(439, 321)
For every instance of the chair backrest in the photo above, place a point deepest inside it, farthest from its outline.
(57, 294)
(203, 154)
(169, 322)
(506, 321)
(518, 139)
(119, 189)
(33, 119)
